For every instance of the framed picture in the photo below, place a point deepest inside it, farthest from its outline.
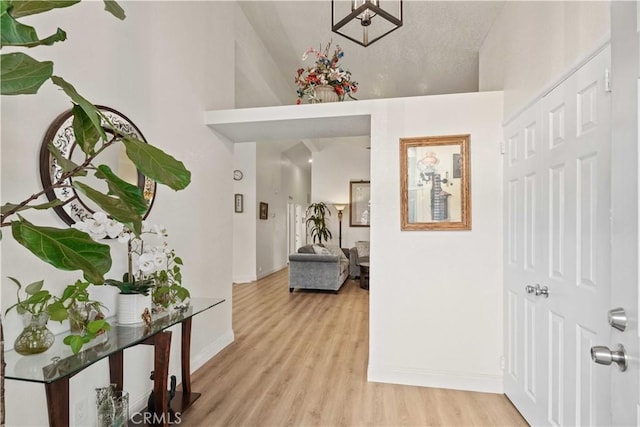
(238, 203)
(434, 183)
(359, 203)
(264, 210)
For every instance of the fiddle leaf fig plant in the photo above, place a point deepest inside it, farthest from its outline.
(20, 74)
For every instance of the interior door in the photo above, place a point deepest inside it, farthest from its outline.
(557, 184)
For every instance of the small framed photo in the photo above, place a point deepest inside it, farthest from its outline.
(238, 204)
(359, 203)
(264, 210)
(435, 183)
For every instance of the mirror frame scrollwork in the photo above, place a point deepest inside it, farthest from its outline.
(61, 134)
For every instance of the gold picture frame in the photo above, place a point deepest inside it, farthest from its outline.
(435, 183)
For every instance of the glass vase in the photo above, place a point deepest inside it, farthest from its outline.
(35, 337)
(112, 407)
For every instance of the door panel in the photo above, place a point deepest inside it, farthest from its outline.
(557, 230)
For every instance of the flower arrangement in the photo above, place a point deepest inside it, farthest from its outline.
(151, 268)
(325, 71)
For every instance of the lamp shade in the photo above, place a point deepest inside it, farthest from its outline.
(339, 206)
(365, 21)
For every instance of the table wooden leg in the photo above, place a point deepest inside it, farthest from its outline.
(162, 350)
(185, 356)
(116, 370)
(58, 402)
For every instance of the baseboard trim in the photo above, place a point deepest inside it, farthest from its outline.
(211, 350)
(467, 381)
(264, 274)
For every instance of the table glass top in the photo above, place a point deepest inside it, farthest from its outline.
(59, 362)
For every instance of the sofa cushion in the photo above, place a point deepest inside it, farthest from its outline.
(321, 250)
(338, 252)
(308, 249)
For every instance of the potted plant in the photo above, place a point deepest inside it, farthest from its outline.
(316, 220)
(168, 290)
(36, 310)
(86, 316)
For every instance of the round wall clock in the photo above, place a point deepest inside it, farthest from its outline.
(237, 174)
(60, 134)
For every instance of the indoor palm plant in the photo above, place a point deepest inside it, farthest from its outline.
(316, 221)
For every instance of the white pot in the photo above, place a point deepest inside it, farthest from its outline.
(131, 307)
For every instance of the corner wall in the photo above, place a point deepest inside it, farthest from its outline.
(436, 296)
(277, 179)
(532, 43)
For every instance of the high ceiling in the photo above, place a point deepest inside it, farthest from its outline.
(434, 52)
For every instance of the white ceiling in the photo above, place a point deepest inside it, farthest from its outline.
(434, 52)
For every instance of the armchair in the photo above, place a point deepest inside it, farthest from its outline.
(359, 253)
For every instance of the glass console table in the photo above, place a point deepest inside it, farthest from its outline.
(57, 365)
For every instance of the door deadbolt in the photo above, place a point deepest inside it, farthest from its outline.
(617, 318)
(603, 356)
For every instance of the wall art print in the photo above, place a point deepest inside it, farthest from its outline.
(264, 210)
(435, 183)
(359, 203)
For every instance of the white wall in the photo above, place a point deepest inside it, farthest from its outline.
(157, 70)
(436, 296)
(244, 224)
(258, 80)
(531, 43)
(277, 180)
(333, 168)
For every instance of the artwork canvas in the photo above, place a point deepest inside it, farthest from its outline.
(264, 210)
(434, 183)
(238, 203)
(359, 203)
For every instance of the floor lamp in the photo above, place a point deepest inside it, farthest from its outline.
(340, 208)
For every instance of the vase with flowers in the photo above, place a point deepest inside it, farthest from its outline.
(325, 80)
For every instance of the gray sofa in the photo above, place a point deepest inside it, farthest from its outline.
(326, 270)
(359, 253)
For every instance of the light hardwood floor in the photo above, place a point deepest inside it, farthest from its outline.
(301, 359)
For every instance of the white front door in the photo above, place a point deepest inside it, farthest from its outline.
(557, 184)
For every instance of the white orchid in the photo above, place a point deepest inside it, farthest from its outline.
(146, 263)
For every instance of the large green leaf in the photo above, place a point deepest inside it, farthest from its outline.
(66, 164)
(14, 33)
(21, 8)
(20, 74)
(9, 207)
(65, 249)
(87, 135)
(90, 110)
(114, 8)
(113, 206)
(128, 193)
(156, 164)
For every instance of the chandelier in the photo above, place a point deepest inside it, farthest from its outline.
(365, 21)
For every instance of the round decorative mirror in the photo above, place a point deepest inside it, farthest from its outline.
(77, 207)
